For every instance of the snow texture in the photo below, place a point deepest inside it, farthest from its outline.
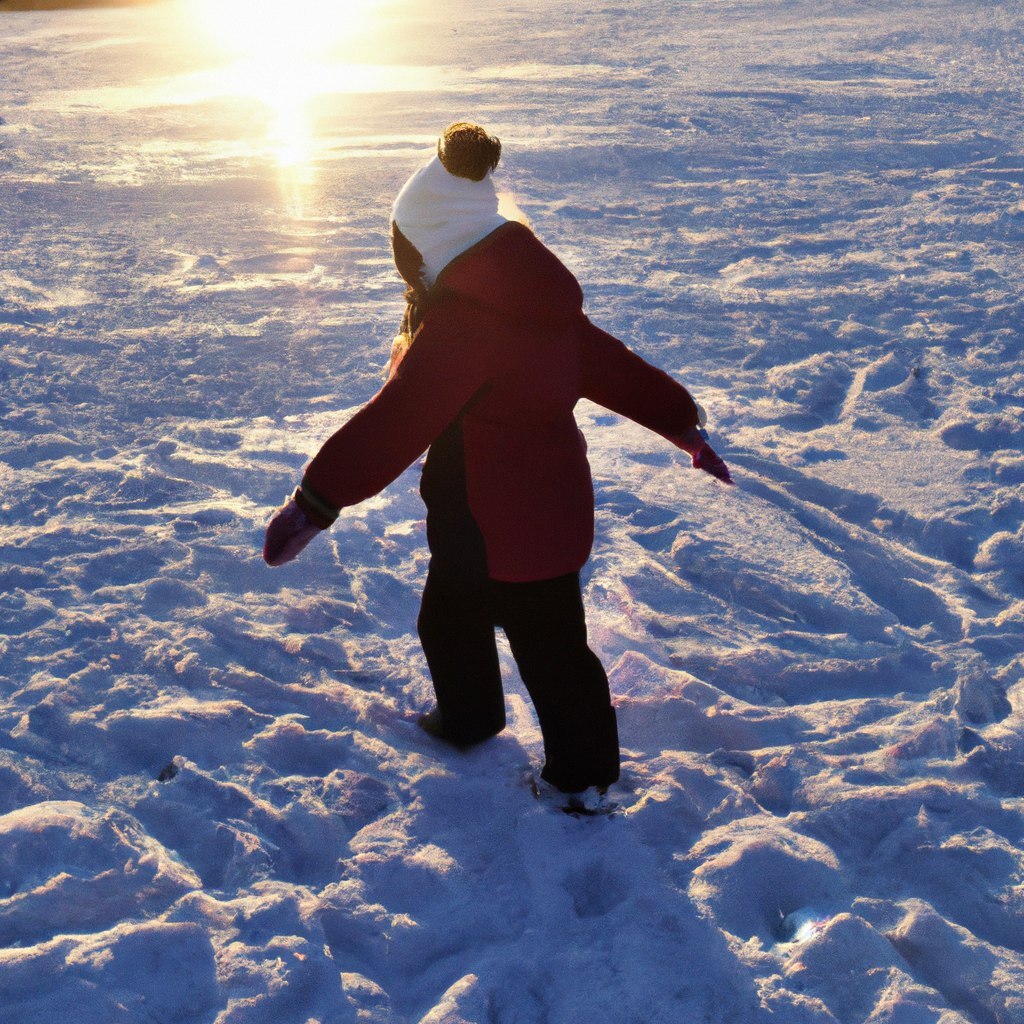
(215, 806)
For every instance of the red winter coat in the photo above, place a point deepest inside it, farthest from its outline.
(505, 343)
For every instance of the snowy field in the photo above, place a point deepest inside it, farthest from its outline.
(215, 805)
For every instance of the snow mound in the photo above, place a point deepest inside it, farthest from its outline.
(66, 867)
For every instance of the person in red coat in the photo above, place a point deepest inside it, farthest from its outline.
(499, 352)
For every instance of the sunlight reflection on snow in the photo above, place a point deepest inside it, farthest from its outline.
(239, 80)
(289, 137)
(803, 924)
(266, 75)
(283, 59)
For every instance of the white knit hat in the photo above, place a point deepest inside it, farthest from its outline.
(443, 215)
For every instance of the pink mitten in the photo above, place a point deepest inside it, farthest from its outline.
(695, 442)
(705, 458)
(288, 532)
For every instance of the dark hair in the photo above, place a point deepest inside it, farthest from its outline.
(467, 151)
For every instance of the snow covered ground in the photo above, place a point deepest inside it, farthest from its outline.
(215, 805)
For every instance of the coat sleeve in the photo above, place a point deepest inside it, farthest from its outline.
(439, 374)
(623, 382)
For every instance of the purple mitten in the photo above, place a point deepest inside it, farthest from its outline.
(706, 459)
(288, 532)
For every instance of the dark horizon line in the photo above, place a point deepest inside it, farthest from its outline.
(56, 5)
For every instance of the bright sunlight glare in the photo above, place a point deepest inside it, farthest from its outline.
(279, 53)
(279, 31)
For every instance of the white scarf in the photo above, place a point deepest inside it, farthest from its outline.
(443, 215)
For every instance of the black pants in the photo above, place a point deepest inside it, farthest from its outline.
(545, 626)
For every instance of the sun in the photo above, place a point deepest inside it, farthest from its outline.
(279, 31)
(279, 52)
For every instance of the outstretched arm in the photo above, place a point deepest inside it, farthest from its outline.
(426, 392)
(620, 380)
